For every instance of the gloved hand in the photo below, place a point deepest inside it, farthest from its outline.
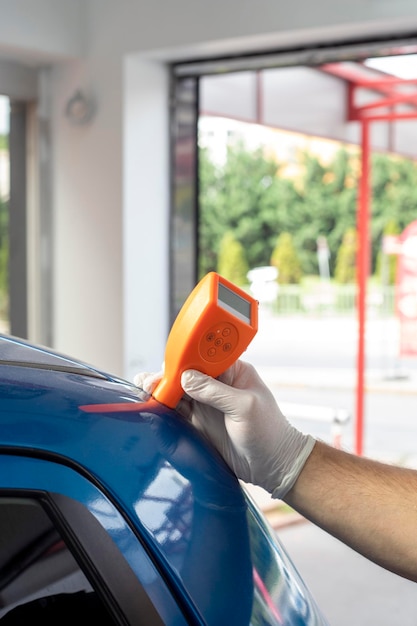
(239, 415)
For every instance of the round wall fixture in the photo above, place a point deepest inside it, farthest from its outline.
(79, 109)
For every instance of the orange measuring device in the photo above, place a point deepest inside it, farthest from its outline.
(215, 325)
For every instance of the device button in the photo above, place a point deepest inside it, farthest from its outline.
(218, 342)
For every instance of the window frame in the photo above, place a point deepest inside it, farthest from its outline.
(86, 517)
(184, 114)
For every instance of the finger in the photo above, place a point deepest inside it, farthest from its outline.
(147, 380)
(229, 376)
(139, 378)
(210, 391)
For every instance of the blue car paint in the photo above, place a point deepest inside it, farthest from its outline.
(219, 557)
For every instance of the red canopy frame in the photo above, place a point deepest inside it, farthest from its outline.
(390, 94)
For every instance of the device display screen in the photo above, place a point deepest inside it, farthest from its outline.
(233, 303)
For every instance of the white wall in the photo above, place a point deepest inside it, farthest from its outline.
(145, 215)
(87, 201)
(110, 182)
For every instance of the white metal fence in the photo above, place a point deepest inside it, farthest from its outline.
(336, 299)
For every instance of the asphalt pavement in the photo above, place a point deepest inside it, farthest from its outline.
(303, 354)
(349, 589)
(319, 353)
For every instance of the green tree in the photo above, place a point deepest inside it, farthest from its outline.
(346, 262)
(284, 257)
(232, 262)
(327, 207)
(210, 231)
(251, 196)
(386, 265)
(244, 196)
(394, 196)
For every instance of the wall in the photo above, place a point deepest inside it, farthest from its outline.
(110, 177)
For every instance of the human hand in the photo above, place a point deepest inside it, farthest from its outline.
(239, 415)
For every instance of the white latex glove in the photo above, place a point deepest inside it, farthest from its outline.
(239, 415)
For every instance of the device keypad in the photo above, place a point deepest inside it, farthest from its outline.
(218, 342)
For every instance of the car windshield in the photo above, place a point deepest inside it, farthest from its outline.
(17, 352)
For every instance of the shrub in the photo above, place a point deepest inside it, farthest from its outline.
(232, 262)
(284, 257)
(346, 261)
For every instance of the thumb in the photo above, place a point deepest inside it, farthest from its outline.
(209, 390)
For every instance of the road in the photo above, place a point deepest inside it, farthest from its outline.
(349, 589)
(311, 362)
(326, 341)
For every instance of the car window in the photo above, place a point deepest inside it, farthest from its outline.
(39, 577)
(280, 595)
(19, 352)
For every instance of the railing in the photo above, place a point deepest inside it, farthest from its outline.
(336, 299)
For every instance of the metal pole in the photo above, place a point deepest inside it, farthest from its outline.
(362, 276)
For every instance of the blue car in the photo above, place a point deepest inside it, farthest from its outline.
(114, 508)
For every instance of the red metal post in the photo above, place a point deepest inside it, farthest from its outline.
(362, 277)
(383, 109)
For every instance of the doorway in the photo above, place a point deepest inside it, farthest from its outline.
(309, 93)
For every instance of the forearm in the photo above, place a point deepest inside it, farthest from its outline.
(372, 507)
(369, 506)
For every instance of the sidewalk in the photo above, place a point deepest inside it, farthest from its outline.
(276, 512)
(333, 339)
(401, 381)
(328, 336)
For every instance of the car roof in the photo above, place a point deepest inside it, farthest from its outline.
(145, 457)
(56, 407)
(150, 460)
